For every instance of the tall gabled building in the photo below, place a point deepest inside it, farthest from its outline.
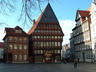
(82, 36)
(46, 36)
(16, 45)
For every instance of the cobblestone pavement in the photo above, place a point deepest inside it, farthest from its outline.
(82, 67)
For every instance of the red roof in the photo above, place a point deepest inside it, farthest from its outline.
(89, 9)
(36, 23)
(83, 13)
(1, 44)
(11, 32)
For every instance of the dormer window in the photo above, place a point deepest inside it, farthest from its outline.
(18, 31)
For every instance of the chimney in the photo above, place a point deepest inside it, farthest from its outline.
(94, 0)
(33, 21)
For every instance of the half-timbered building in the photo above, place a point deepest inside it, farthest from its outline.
(46, 36)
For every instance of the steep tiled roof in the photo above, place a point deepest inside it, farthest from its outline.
(89, 9)
(83, 13)
(48, 14)
(1, 44)
(11, 32)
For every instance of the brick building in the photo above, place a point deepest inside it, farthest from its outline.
(1, 50)
(46, 36)
(15, 45)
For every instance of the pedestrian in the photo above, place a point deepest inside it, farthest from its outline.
(75, 63)
(64, 61)
(78, 60)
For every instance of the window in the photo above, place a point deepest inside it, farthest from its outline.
(25, 47)
(38, 30)
(15, 57)
(20, 57)
(55, 43)
(45, 44)
(52, 43)
(41, 51)
(35, 51)
(47, 37)
(41, 44)
(18, 31)
(58, 43)
(10, 38)
(55, 31)
(52, 37)
(52, 31)
(25, 39)
(41, 31)
(58, 31)
(42, 37)
(38, 36)
(35, 36)
(25, 57)
(58, 37)
(20, 46)
(55, 37)
(10, 46)
(58, 51)
(38, 51)
(20, 39)
(15, 46)
(49, 43)
(55, 51)
(38, 43)
(15, 38)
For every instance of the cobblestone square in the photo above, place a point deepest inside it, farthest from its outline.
(82, 67)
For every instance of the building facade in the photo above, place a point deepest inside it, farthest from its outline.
(1, 50)
(16, 45)
(82, 37)
(84, 34)
(72, 49)
(46, 36)
(93, 28)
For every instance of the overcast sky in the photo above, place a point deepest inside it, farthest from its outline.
(64, 10)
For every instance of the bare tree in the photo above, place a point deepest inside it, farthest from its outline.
(27, 8)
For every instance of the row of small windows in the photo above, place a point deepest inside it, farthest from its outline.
(43, 51)
(18, 31)
(88, 54)
(18, 38)
(21, 57)
(84, 37)
(81, 29)
(46, 44)
(46, 37)
(47, 31)
(83, 46)
(17, 46)
(48, 25)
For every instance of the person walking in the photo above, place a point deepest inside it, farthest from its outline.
(75, 63)
(64, 61)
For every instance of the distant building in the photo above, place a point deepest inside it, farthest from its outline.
(1, 50)
(16, 45)
(46, 36)
(66, 51)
